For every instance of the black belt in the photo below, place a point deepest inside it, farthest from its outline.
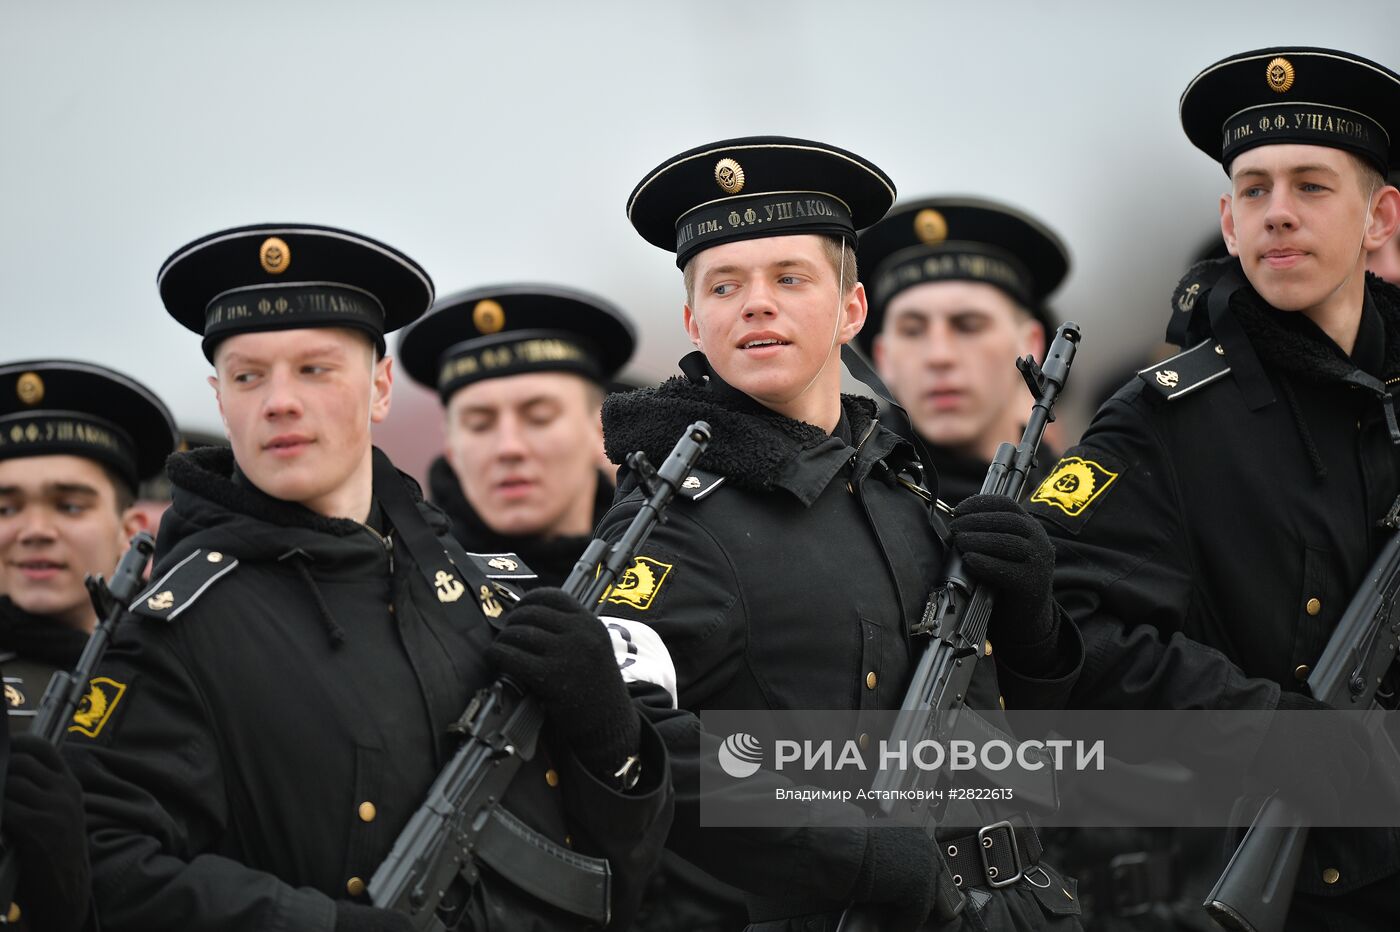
(997, 855)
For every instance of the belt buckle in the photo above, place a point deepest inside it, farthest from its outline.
(984, 845)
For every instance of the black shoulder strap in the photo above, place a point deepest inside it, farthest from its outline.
(1187, 371)
(860, 369)
(449, 578)
(166, 597)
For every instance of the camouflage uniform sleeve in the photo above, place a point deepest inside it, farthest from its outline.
(1124, 573)
(146, 754)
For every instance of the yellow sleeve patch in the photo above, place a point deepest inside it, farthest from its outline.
(1073, 485)
(639, 584)
(97, 706)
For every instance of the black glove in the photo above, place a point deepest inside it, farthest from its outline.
(1006, 549)
(563, 655)
(352, 917)
(1318, 760)
(904, 870)
(43, 821)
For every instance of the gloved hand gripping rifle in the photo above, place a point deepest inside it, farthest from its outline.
(436, 858)
(957, 615)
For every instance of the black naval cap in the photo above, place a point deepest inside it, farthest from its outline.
(499, 330)
(959, 239)
(62, 407)
(754, 187)
(281, 276)
(1308, 96)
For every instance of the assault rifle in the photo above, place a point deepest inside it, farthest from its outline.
(67, 688)
(958, 612)
(437, 858)
(1256, 887)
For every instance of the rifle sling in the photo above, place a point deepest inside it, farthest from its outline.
(571, 881)
(449, 577)
(861, 371)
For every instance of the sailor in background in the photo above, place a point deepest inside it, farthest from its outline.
(958, 290)
(75, 440)
(521, 371)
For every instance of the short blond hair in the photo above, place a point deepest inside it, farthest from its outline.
(1370, 176)
(841, 256)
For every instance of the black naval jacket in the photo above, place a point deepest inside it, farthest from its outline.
(552, 559)
(255, 756)
(679, 895)
(32, 650)
(1223, 511)
(786, 581)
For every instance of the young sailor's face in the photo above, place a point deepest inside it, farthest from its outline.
(948, 351)
(297, 406)
(525, 450)
(58, 523)
(1296, 216)
(770, 317)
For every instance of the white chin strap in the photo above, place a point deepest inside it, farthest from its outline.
(835, 324)
(1360, 244)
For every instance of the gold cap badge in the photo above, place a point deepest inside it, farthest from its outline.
(1279, 74)
(30, 388)
(275, 255)
(488, 316)
(930, 227)
(729, 175)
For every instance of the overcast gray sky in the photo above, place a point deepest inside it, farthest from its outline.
(498, 142)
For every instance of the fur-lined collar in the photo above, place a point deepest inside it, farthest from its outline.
(1289, 342)
(1294, 344)
(1257, 337)
(212, 474)
(753, 446)
(211, 496)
